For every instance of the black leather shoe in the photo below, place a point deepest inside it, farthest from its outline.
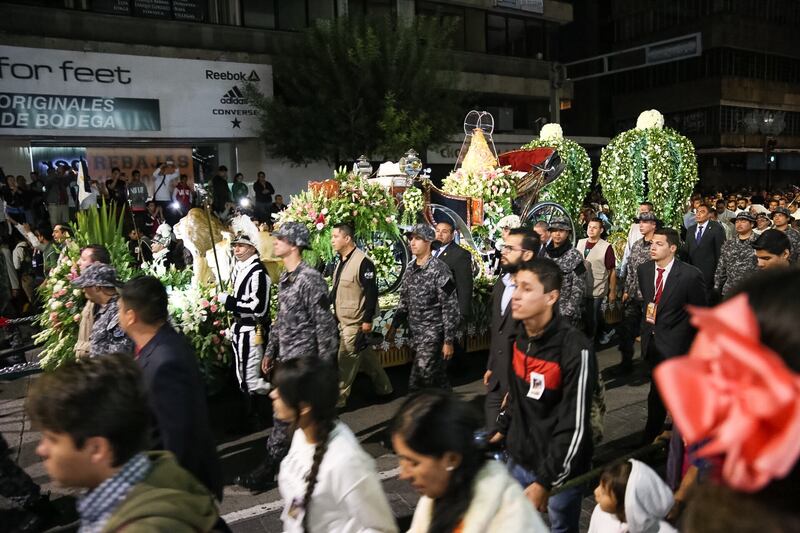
(259, 480)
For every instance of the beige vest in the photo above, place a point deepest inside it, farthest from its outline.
(85, 331)
(597, 262)
(350, 300)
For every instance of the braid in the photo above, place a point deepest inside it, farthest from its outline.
(324, 430)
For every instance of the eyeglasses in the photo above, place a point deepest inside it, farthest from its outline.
(506, 248)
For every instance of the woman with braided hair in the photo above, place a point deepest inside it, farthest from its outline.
(327, 481)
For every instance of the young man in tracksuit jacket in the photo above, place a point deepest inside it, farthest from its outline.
(552, 375)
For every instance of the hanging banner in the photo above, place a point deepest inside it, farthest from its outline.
(101, 159)
(73, 93)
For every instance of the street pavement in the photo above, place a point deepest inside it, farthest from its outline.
(368, 417)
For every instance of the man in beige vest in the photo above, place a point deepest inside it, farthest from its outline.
(602, 266)
(94, 253)
(355, 301)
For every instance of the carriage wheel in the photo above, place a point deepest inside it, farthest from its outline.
(545, 212)
(395, 248)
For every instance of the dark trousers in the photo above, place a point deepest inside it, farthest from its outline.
(593, 318)
(656, 412)
(629, 328)
(491, 407)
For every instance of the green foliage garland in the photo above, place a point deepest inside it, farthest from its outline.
(661, 158)
(572, 186)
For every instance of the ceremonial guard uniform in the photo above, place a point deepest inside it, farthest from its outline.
(570, 261)
(107, 336)
(736, 260)
(428, 299)
(304, 327)
(249, 304)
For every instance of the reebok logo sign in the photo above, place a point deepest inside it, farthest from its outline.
(232, 76)
(234, 97)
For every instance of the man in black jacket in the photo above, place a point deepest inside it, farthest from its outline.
(668, 285)
(459, 261)
(221, 192)
(703, 245)
(552, 375)
(521, 244)
(172, 378)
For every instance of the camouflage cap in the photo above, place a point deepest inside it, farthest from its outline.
(294, 233)
(647, 216)
(781, 211)
(97, 275)
(423, 231)
(559, 223)
(744, 215)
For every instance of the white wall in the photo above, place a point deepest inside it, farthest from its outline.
(286, 179)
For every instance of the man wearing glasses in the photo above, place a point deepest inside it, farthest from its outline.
(520, 245)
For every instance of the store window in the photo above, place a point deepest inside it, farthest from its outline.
(258, 13)
(292, 15)
(372, 8)
(496, 34)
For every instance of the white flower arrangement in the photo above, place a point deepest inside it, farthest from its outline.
(651, 118)
(551, 131)
(665, 158)
(572, 186)
(509, 221)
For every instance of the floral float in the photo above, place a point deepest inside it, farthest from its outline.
(648, 162)
(572, 186)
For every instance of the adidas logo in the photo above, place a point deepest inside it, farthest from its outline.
(233, 96)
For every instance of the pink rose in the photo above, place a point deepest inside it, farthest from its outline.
(214, 308)
(53, 316)
(204, 303)
(216, 323)
(68, 305)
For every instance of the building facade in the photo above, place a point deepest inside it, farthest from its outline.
(738, 101)
(129, 83)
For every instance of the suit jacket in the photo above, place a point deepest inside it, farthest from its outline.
(460, 263)
(178, 404)
(705, 255)
(502, 331)
(672, 333)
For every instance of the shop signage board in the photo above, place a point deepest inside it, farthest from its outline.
(47, 92)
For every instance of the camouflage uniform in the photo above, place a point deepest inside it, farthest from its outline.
(736, 261)
(794, 239)
(632, 318)
(573, 284)
(107, 335)
(17, 489)
(304, 327)
(428, 299)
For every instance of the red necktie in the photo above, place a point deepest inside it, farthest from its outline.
(659, 284)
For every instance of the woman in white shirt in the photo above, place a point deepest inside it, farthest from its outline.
(327, 481)
(463, 491)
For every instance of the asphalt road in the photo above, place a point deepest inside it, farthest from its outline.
(367, 416)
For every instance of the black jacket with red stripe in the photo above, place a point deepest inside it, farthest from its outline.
(551, 380)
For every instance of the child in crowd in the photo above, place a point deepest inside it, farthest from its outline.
(631, 498)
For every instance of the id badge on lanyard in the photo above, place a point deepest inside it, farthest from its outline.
(650, 313)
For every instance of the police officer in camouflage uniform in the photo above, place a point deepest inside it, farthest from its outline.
(782, 219)
(428, 299)
(99, 284)
(304, 327)
(570, 261)
(632, 294)
(737, 260)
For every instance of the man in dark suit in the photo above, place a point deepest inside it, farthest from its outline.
(703, 244)
(520, 245)
(668, 286)
(172, 378)
(459, 261)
